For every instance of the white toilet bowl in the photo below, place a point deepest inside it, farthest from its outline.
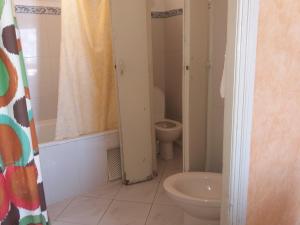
(198, 194)
(167, 131)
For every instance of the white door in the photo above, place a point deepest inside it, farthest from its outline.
(131, 44)
(195, 83)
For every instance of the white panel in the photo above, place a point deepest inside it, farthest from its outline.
(195, 83)
(59, 171)
(77, 166)
(131, 48)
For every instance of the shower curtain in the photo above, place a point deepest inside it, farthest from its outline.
(87, 90)
(21, 189)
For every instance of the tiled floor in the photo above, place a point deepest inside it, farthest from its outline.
(117, 204)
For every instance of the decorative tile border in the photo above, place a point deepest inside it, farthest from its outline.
(57, 11)
(38, 10)
(167, 14)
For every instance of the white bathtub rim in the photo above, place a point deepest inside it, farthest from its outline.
(80, 138)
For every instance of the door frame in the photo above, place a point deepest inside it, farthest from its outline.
(240, 65)
(242, 29)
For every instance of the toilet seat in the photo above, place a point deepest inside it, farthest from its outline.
(167, 131)
(167, 124)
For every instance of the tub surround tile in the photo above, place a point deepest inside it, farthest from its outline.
(34, 35)
(54, 30)
(125, 213)
(40, 37)
(84, 211)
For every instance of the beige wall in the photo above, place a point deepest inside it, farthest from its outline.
(158, 51)
(173, 67)
(215, 115)
(274, 186)
(167, 45)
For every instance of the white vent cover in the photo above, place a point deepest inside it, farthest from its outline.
(114, 164)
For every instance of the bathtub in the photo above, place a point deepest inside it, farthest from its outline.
(73, 166)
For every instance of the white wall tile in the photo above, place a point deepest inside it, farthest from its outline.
(43, 84)
(53, 34)
(40, 36)
(33, 34)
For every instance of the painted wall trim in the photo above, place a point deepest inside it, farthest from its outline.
(240, 76)
(38, 10)
(166, 14)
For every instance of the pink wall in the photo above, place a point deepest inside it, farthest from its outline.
(274, 188)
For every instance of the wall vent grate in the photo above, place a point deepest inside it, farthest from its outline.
(114, 164)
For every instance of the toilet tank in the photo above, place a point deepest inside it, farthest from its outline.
(158, 104)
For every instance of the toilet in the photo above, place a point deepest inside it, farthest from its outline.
(198, 194)
(167, 131)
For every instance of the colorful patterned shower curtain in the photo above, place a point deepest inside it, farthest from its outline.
(21, 189)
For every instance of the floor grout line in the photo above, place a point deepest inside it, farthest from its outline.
(156, 193)
(164, 171)
(64, 208)
(111, 202)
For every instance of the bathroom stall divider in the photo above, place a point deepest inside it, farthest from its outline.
(195, 83)
(131, 27)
